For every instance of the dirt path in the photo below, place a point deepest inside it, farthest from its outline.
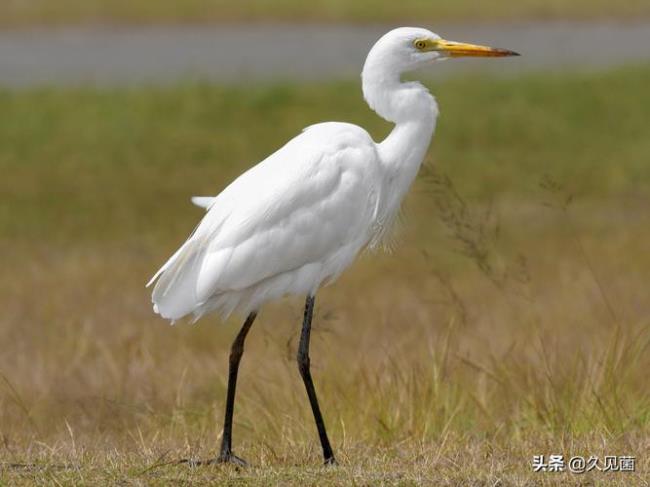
(235, 53)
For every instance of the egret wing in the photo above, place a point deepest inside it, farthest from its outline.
(302, 206)
(295, 208)
(204, 202)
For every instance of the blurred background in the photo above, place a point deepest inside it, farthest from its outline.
(512, 319)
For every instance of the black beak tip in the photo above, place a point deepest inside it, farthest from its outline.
(506, 52)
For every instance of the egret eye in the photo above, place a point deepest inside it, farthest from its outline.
(420, 44)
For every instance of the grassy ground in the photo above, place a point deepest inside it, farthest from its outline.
(509, 322)
(66, 11)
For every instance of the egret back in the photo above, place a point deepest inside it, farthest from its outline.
(285, 226)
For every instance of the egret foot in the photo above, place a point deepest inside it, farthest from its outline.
(230, 458)
(331, 461)
(223, 458)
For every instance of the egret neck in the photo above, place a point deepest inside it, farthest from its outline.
(413, 110)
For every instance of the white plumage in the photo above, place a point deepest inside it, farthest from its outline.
(250, 246)
(297, 219)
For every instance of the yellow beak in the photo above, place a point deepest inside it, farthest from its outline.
(459, 49)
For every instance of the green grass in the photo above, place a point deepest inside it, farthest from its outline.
(515, 327)
(202, 11)
(153, 148)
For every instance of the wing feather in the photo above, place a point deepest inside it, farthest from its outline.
(298, 207)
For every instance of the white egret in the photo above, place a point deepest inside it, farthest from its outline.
(296, 220)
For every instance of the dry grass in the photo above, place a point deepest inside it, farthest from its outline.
(422, 378)
(493, 333)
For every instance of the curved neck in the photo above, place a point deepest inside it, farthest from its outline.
(409, 105)
(414, 111)
(391, 98)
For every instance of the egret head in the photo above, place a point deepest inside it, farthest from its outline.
(409, 48)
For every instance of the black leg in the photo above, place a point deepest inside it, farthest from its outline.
(236, 351)
(303, 366)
